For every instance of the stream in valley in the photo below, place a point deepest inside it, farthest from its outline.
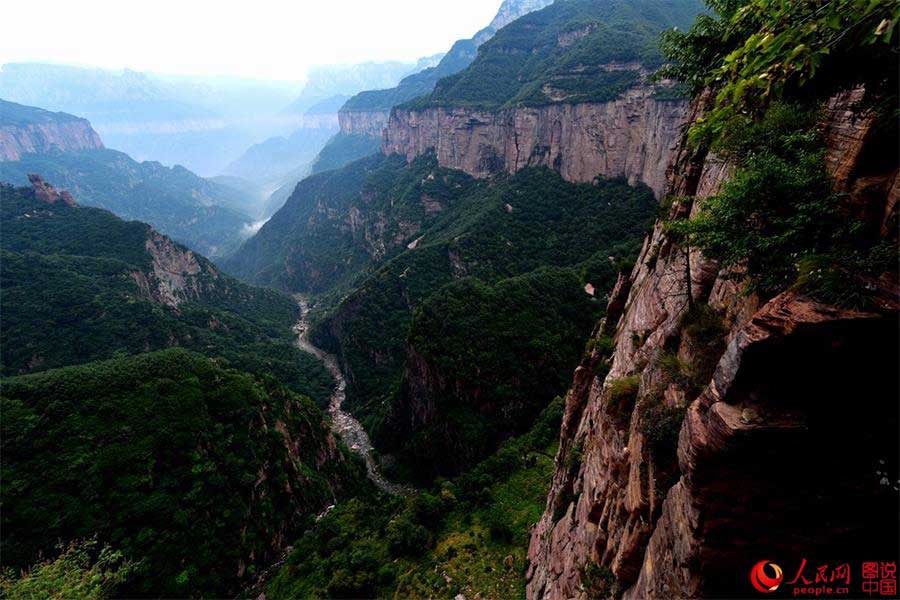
(342, 422)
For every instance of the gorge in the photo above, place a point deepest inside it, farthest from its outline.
(602, 303)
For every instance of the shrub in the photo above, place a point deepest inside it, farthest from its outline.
(498, 526)
(624, 388)
(82, 571)
(596, 580)
(661, 425)
(572, 462)
(405, 537)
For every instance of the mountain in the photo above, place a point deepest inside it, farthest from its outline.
(326, 81)
(367, 112)
(167, 393)
(564, 87)
(364, 116)
(343, 149)
(28, 130)
(196, 472)
(388, 245)
(269, 161)
(105, 286)
(203, 214)
(617, 311)
(200, 123)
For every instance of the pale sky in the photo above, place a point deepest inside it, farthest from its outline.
(265, 39)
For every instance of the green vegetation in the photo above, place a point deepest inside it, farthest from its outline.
(199, 213)
(343, 149)
(778, 205)
(184, 466)
(503, 350)
(467, 535)
(71, 271)
(778, 212)
(597, 581)
(772, 64)
(624, 389)
(562, 54)
(80, 572)
(660, 425)
(514, 253)
(756, 52)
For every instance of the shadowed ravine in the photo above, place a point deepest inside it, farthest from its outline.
(342, 422)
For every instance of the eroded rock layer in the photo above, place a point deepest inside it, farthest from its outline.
(776, 450)
(41, 138)
(369, 123)
(632, 136)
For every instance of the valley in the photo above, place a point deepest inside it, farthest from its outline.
(599, 302)
(343, 423)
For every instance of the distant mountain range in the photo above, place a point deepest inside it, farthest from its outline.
(205, 215)
(202, 123)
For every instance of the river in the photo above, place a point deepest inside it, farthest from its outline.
(342, 422)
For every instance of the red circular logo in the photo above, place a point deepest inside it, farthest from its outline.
(762, 580)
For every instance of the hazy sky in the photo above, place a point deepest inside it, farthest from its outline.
(254, 38)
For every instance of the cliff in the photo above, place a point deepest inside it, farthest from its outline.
(567, 87)
(697, 445)
(632, 136)
(369, 123)
(27, 130)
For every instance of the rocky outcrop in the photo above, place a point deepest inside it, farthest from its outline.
(176, 272)
(654, 509)
(362, 122)
(41, 138)
(632, 136)
(45, 192)
(511, 10)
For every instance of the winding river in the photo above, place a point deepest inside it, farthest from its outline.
(342, 422)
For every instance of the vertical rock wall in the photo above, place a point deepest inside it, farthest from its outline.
(632, 136)
(770, 460)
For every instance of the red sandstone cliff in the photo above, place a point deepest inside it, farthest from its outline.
(777, 454)
(632, 136)
(40, 138)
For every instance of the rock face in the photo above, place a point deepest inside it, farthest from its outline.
(45, 192)
(175, 271)
(26, 130)
(361, 122)
(769, 461)
(511, 10)
(631, 137)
